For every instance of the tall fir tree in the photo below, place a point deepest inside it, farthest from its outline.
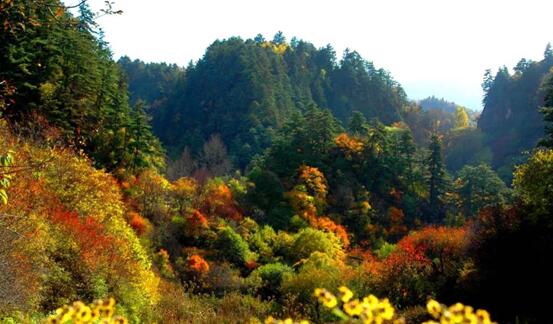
(436, 178)
(547, 110)
(143, 145)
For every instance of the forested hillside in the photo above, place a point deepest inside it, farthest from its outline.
(437, 103)
(511, 119)
(245, 90)
(65, 78)
(295, 185)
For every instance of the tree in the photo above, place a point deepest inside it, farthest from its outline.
(548, 53)
(533, 183)
(184, 166)
(436, 177)
(461, 117)
(214, 157)
(465, 146)
(479, 187)
(233, 247)
(547, 110)
(358, 124)
(279, 38)
(407, 150)
(56, 68)
(144, 147)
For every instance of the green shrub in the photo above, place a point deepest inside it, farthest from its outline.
(269, 277)
(233, 247)
(309, 240)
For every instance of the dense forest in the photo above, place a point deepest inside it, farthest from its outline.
(267, 180)
(511, 118)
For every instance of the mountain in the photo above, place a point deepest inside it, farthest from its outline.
(436, 103)
(511, 119)
(245, 90)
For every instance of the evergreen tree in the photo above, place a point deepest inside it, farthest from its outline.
(407, 149)
(547, 111)
(144, 147)
(548, 53)
(436, 178)
(358, 124)
(478, 187)
(64, 74)
(279, 38)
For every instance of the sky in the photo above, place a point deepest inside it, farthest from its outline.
(431, 47)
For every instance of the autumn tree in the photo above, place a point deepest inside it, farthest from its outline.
(214, 158)
(532, 184)
(461, 117)
(184, 166)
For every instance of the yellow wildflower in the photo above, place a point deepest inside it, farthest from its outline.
(353, 308)
(326, 298)
(370, 300)
(483, 316)
(119, 320)
(434, 308)
(387, 310)
(346, 294)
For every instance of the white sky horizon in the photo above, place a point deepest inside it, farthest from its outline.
(431, 47)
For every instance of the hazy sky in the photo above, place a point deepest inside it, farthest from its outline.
(432, 47)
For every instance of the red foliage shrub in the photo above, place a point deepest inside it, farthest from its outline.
(197, 219)
(218, 201)
(198, 265)
(251, 265)
(96, 247)
(327, 224)
(397, 226)
(138, 223)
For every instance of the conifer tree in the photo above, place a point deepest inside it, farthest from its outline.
(547, 111)
(144, 147)
(436, 177)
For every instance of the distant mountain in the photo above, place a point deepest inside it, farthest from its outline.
(437, 103)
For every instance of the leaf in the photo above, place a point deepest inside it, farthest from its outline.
(3, 196)
(59, 12)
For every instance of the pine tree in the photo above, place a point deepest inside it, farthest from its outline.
(436, 178)
(548, 53)
(145, 150)
(547, 111)
(407, 149)
(358, 124)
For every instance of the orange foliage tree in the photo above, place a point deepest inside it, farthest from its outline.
(423, 263)
(184, 191)
(138, 223)
(308, 199)
(217, 201)
(198, 265)
(196, 223)
(397, 227)
(351, 146)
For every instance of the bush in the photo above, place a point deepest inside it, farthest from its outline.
(233, 247)
(268, 278)
(309, 240)
(317, 270)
